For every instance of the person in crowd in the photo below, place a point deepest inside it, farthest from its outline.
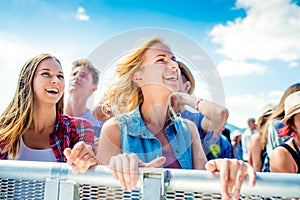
(237, 145)
(226, 133)
(83, 83)
(246, 137)
(33, 127)
(286, 157)
(209, 125)
(271, 131)
(146, 132)
(257, 152)
(215, 145)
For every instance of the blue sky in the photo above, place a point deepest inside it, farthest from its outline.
(253, 44)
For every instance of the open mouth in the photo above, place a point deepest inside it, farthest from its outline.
(171, 77)
(52, 91)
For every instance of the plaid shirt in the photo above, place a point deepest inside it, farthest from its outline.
(67, 132)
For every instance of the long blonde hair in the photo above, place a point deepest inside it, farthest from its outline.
(123, 95)
(278, 113)
(17, 117)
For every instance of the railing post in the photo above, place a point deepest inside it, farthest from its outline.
(52, 184)
(152, 184)
(67, 187)
(68, 190)
(51, 189)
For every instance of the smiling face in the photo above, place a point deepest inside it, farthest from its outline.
(81, 82)
(297, 123)
(159, 68)
(48, 83)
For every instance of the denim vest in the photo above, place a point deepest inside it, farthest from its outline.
(136, 138)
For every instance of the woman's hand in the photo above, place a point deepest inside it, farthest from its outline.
(81, 157)
(177, 100)
(232, 174)
(124, 167)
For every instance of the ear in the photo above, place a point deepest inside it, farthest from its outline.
(186, 86)
(94, 88)
(137, 78)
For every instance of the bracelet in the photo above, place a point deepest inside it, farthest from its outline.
(196, 106)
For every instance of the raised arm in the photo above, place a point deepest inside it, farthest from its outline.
(99, 113)
(215, 115)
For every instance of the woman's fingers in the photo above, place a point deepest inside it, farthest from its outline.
(126, 171)
(244, 170)
(81, 157)
(224, 179)
(232, 175)
(239, 179)
(113, 168)
(133, 171)
(156, 162)
(124, 167)
(251, 174)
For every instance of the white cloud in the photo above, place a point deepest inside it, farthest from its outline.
(81, 14)
(15, 51)
(293, 64)
(269, 31)
(198, 57)
(239, 68)
(248, 105)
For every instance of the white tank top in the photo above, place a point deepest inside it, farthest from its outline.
(26, 153)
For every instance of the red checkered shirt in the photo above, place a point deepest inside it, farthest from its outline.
(66, 133)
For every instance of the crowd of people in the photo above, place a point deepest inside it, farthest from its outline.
(143, 121)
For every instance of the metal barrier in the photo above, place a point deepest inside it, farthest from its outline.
(50, 181)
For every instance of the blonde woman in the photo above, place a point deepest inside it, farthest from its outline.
(257, 152)
(33, 127)
(147, 132)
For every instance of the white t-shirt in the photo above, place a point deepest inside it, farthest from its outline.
(26, 153)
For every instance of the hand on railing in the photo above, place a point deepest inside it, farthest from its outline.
(81, 157)
(232, 174)
(125, 168)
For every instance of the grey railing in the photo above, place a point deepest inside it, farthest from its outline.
(50, 181)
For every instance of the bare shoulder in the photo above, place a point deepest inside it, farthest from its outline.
(193, 128)
(111, 128)
(255, 138)
(281, 160)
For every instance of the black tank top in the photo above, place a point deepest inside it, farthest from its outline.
(295, 154)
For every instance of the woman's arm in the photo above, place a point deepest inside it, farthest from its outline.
(255, 150)
(99, 113)
(199, 157)
(109, 143)
(215, 115)
(232, 172)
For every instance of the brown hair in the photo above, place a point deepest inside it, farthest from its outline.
(279, 111)
(17, 117)
(88, 65)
